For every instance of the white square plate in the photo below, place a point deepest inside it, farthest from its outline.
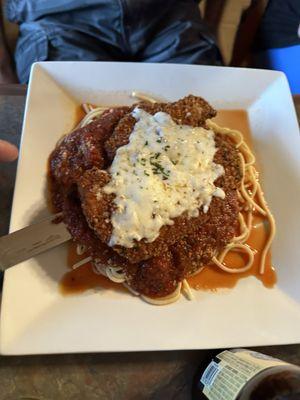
(36, 318)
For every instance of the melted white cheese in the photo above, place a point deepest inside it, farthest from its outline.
(165, 170)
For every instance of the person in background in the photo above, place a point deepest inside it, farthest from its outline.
(169, 31)
(277, 43)
(269, 37)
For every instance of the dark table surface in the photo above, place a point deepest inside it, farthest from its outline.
(130, 376)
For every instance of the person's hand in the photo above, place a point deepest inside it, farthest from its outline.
(8, 152)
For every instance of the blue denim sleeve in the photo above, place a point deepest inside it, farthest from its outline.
(31, 47)
(30, 10)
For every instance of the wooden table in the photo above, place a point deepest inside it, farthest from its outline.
(130, 376)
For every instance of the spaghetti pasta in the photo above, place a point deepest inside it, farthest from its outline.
(187, 290)
(115, 274)
(246, 194)
(80, 249)
(93, 112)
(81, 262)
(143, 97)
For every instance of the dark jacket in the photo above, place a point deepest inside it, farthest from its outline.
(114, 30)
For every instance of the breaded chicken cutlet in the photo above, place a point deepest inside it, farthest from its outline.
(79, 170)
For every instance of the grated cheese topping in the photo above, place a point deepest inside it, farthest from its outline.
(165, 170)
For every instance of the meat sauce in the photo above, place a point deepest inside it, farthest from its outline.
(211, 277)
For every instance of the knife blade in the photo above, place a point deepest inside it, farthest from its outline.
(31, 241)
